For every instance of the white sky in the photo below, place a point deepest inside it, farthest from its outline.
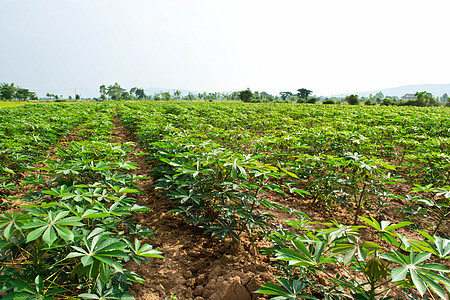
(327, 46)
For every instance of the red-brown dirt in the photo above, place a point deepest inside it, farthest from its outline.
(195, 266)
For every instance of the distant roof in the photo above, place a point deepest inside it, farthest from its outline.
(408, 96)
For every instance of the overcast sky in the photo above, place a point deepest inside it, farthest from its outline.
(327, 46)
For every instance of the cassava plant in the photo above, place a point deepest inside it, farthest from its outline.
(357, 269)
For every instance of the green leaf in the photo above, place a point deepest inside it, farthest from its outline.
(435, 287)
(65, 233)
(16, 296)
(374, 223)
(49, 235)
(399, 273)
(88, 296)
(9, 230)
(35, 234)
(371, 246)
(420, 257)
(22, 285)
(349, 256)
(418, 282)
(396, 226)
(86, 260)
(129, 191)
(434, 267)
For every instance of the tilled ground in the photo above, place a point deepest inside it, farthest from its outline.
(195, 266)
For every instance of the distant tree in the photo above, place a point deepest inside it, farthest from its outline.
(133, 90)
(444, 97)
(378, 97)
(7, 91)
(352, 99)
(140, 94)
(303, 93)
(126, 96)
(177, 94)
(22, 94)
(370, 102)
(245, 95)
(116, 92)
(166, 96)
(52, 96)
(102, 92)
(285, 95)
(425, 99)
(77, 97)
(190, 96)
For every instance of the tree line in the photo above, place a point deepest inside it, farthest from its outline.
(423, 99)
(8, 91)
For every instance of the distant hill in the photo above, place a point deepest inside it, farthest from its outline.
(436, 89)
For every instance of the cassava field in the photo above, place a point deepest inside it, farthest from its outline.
(224, 200)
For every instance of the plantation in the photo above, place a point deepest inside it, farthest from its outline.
(216, 200)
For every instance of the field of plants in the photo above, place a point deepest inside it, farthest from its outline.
(224, 200)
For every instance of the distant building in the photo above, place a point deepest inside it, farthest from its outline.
(408, 97)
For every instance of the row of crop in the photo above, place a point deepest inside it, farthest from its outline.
(391, 266)
(27, 133)
(330, 177)
(413, 139)
(75, 235)
(348, 178)
(221, 190)
(213, 187)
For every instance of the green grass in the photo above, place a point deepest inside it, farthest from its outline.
(11, 104)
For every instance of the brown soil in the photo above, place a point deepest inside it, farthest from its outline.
(195, 266)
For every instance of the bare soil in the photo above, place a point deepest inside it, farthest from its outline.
(195, 266)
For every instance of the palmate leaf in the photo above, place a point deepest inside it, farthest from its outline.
(46, 227)
(421, 275)
(289, 290)
(101, 253)
(145, 251)
(436, 245)
(107, 291)
(26, 291)
(305, 257)
(11, 222)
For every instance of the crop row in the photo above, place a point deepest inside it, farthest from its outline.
(216, 161)
(74, 233)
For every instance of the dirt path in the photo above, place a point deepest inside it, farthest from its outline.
(195, 266)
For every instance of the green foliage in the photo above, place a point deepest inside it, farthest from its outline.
(245, 95)
(303, 93)
(386, 102)
(12, 92)
(328, 101)
(74, 235)
(311, 100)
(352, 99)
(336, 246)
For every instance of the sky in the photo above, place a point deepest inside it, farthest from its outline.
(327, 46)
